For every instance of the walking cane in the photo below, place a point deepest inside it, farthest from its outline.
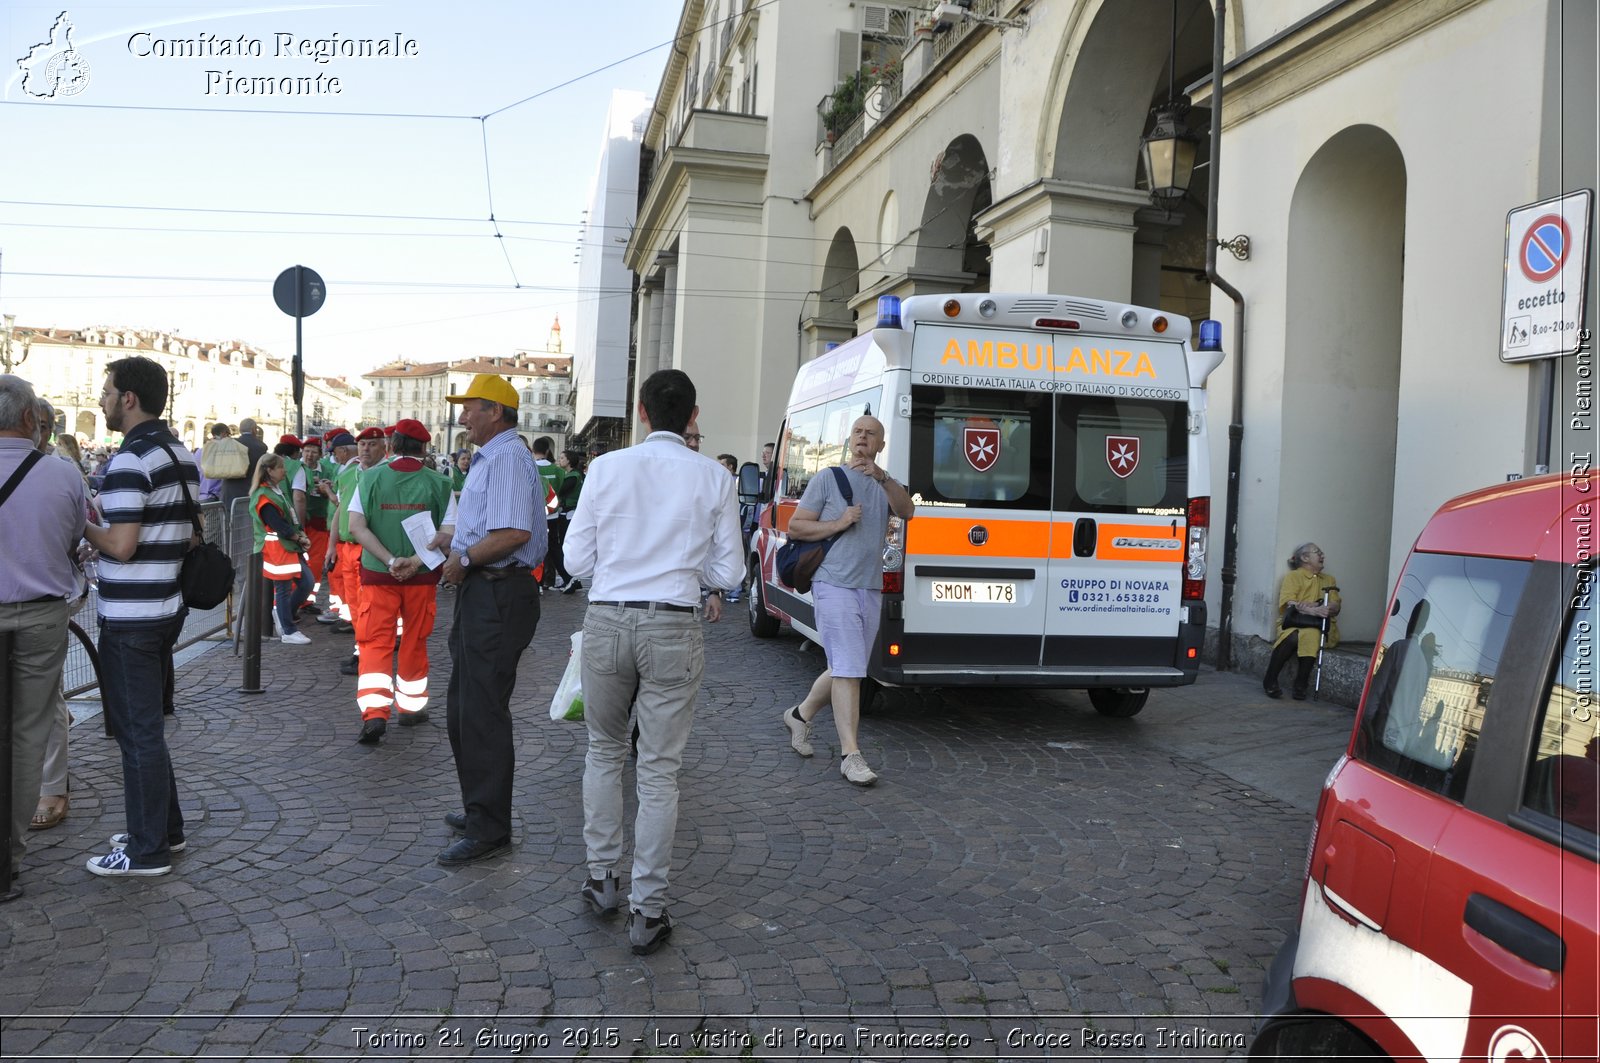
(1322, 641)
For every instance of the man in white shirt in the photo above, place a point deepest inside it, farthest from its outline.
(646, 553)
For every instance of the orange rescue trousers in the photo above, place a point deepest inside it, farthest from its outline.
(381, 608)
(347, 582)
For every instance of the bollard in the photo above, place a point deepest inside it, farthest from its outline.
(9, 890)
(253, 588)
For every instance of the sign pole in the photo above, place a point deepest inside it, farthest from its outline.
(299, 363)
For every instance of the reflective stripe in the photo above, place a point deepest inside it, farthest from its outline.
(374, 701)
(412, 686)
(375, 681)
(271, 537)
(411, 702)
(280, 570)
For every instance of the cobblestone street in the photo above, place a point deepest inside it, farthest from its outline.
(1027, 880)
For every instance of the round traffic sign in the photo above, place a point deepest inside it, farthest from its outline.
(299, 291)
(1544, 247)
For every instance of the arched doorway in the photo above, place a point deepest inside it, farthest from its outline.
(950, 256)
(1341, 364)
(841, 280)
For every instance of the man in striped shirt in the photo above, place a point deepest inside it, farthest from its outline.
(142, 546)
(500, 536)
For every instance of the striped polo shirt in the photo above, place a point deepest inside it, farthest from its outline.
(142, 486)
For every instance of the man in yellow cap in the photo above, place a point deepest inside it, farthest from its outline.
(500, 536)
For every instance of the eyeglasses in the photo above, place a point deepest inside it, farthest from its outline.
(694, 438)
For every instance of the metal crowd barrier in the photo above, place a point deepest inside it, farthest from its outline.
(228, 526)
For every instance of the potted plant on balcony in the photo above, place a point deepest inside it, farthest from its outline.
(845, 105)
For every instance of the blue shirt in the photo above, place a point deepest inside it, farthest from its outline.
(43, 522)
(500, 494)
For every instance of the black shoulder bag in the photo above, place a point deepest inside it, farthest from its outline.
(207, 575)
(798, 561)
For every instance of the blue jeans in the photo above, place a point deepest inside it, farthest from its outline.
(288, 595)
(132, 660)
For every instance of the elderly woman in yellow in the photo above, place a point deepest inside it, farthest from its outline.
(1301, 609)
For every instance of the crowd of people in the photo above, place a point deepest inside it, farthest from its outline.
(379, 525)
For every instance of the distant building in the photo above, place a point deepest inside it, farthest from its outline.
(208, 381)
(421, 390)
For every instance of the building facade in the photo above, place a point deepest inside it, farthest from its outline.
(421, 390)
(1369, 150)
(207, 381)
(602, 357)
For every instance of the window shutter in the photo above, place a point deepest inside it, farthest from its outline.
(849, 54)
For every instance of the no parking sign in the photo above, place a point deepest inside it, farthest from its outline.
(1546, 277)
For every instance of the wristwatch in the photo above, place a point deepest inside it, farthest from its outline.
(466, 559)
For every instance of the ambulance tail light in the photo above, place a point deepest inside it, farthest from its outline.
(1194, 566)
(894, 557)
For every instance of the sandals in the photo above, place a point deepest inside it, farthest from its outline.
(51, 811)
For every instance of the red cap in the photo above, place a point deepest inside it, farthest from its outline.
(412, 429)
(327, 437)
(370, 433)
(388, 430)
(287, 440)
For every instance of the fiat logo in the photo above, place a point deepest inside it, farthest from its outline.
(978, 535)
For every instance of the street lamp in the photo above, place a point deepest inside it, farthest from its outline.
(1169, 151)
(6, 351)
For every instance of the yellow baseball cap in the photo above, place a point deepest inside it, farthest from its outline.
(490, 387)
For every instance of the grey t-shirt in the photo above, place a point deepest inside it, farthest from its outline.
(856, 557)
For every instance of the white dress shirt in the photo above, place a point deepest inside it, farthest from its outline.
(655, 522)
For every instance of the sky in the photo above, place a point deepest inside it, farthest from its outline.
(150, 190)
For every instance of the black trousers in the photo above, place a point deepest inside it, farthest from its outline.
(494, 621)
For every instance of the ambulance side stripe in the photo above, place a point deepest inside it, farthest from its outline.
(947, 537)
(1431, 1006)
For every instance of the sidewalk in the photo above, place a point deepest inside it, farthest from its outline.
(1027, 874)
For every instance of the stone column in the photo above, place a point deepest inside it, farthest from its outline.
(1087, 242)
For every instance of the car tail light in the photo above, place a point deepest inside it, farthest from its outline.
(894, 583)
(1316, 826)
(1194, 566)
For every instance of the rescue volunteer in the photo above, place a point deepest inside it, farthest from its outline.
(279, 540)
(341, 451)
(369, 452)
(396, 588)
(309, 501)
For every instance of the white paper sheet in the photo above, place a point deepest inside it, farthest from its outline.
(420, 530)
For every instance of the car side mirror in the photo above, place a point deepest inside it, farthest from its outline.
(749, 483)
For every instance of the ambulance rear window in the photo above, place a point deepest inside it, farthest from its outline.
(1121, 454)
(980, 447)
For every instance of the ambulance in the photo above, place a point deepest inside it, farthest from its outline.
(1056, 449)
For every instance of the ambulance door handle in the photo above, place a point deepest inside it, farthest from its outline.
(1515, 932)
(1084, 536)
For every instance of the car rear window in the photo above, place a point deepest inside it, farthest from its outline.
(1441, 649)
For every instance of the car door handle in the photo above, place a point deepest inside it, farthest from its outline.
(1515, 932)
(1084, 536)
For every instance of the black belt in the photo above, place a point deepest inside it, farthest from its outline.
(44, 598)
(668, 606)
(499, 572)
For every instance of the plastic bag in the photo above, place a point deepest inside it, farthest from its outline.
(568, 702)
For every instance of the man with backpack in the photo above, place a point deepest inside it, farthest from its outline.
(847, 587)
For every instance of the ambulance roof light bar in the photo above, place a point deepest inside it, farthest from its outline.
(889, 311)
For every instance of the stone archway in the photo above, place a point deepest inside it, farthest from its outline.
(1341, 364)
(949, 252)
(841, 279)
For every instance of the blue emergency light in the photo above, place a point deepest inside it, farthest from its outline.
(1210, 336)
(888, 311)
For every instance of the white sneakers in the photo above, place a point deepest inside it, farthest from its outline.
(295, 638)
(854, 768)
(799, 731)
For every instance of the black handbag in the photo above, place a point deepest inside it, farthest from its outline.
(206, 578)
(797, 562)
(1293, 617)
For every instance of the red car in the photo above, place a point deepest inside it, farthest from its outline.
(1451, 906)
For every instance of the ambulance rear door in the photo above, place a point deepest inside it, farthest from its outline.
(1121, 488)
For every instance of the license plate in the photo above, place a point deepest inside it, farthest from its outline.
(974, 593)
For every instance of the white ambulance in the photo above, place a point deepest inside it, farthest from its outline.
(1056, 449)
